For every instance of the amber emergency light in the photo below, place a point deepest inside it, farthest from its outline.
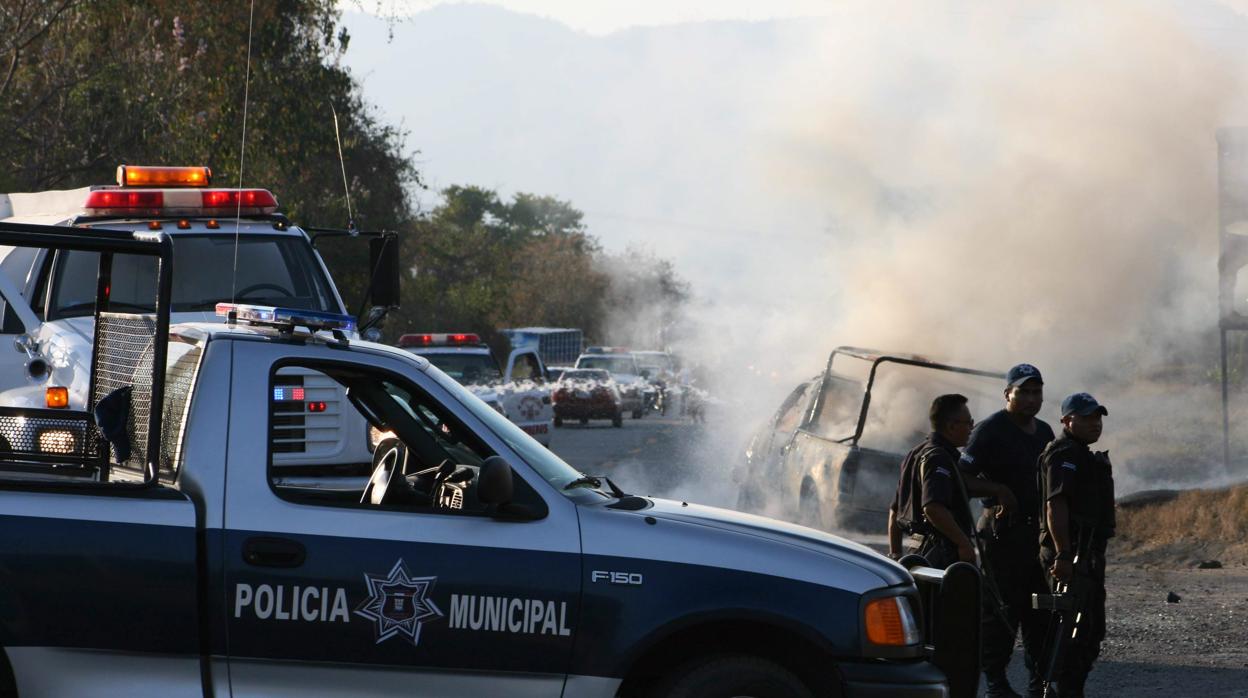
(148, 176)
(57, 397)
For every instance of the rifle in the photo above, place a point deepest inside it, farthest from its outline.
(1068, 604)
(995, 600)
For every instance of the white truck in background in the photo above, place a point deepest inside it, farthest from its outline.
(520, 392)
(232, 245)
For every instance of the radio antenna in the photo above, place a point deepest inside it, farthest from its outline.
(242, 151)
(342, 163)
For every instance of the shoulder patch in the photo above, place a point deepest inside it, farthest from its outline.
(1069, 466)
(941, 470)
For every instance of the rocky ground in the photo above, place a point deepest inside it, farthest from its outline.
(1195, 647)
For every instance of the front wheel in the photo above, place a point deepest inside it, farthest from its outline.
(617, 420)
(637, 414)
(734, 676)
(558, 422)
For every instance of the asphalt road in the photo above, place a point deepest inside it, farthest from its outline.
(1198, 647)
(654, 455)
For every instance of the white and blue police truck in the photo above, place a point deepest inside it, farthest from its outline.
(233, 245)
(155, 545)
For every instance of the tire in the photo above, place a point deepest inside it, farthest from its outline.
(584, 421)
(558, 422)
(733, 676)
(636, 414)
(617, 421)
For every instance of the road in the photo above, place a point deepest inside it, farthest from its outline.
(1198, 647)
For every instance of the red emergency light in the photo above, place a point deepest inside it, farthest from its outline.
(132, 201)
(438, 340)
(179, 202)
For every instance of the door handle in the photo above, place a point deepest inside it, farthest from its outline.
(273, 552)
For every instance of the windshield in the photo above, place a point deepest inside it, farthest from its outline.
(614, 364)
(279, 270)
(540, 458)
(585, 375)
(468, 369)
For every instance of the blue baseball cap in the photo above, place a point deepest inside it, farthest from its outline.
(1082, 404)
(1021, 374)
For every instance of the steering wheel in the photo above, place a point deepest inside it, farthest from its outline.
(262, 287)
(389, 462)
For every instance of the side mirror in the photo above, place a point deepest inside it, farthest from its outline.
(383, 260)
(494, 484)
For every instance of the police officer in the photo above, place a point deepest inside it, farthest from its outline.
(1000, 464)
(931, 502)
(1078, 488)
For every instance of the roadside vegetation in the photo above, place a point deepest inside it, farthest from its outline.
(85, 86)
(1185, 528)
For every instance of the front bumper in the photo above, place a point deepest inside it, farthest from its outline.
(892, 680)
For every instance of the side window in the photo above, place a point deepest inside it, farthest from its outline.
(11, 324)
(789, 416)
(526, 369)
(423, 458)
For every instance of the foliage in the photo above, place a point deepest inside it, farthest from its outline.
(90, 85)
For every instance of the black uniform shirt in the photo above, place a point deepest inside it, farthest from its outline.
(1069, 468)
(929, 475)
(1002, 452)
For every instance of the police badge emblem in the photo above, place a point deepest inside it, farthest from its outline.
(398, 604)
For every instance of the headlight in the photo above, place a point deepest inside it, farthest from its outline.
(889, 621)
(57, 441)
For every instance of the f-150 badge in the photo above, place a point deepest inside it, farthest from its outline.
(398, 604)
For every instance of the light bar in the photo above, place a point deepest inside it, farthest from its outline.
(147, 176)
(107, 202)
(286, 318)
(438, 340)
(180, 202)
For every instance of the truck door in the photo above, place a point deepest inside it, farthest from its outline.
(528, 403)
(17, 319)
(416, 591)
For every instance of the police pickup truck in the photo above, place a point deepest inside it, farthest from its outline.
(519, 392)
(232, 245)
(152, 548)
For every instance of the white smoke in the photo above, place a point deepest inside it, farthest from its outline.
(1017, 182)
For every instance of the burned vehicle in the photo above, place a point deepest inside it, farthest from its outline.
(829, 458)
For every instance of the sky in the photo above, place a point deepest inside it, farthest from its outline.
(606, 17)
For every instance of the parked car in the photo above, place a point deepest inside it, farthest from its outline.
(588, 393)
(622, 365)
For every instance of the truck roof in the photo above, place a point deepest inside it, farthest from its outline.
(202, 332)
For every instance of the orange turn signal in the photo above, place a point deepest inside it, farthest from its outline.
(888, 623)
(145, 176)
(57, 397)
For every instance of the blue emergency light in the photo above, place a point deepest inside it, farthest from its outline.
(314, 320)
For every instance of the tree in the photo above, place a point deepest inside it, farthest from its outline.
(90, 85)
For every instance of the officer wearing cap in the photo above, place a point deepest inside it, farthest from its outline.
(931, 503)
(1078, 489)
(1000, 464)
